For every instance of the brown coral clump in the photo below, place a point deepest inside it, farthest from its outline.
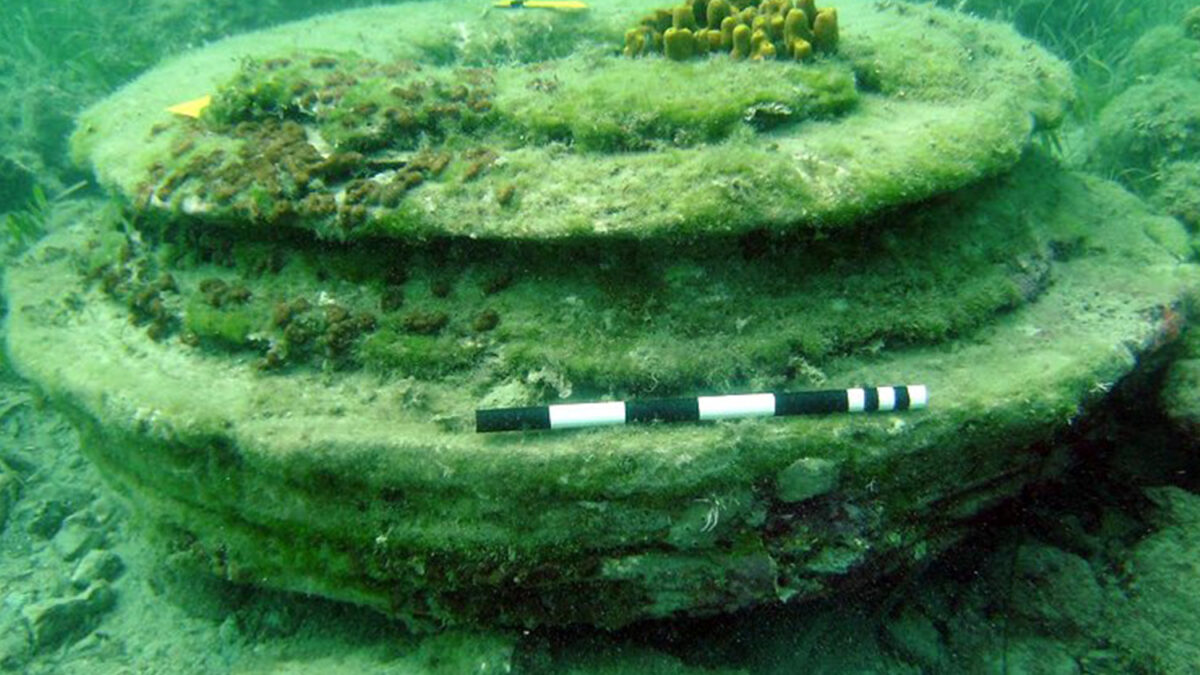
(316, 139)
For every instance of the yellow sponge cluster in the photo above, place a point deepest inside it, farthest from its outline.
(744, 29)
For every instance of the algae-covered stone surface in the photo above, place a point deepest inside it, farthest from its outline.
(1158, 617)
(1145, 136)
(1181, 390)
(534, 125)
(373, 487)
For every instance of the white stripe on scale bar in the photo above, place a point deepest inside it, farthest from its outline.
(887, 398)
(856, 400)
(739, 405)
(574, 415)
(918, 396)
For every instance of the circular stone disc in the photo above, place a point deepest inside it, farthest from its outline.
(533, 125)
(377, 490)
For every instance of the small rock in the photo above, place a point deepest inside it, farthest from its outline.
(107, 511)
(913, 635)
(1036, 656)
(228, 634)
(54, 622)
(48, 518)
(806, 478)
(835, 560)
(1057, 589)
(18, 461)
(16, 183)
(1105, 661)
(1156, 623)
(16, 645)
(97, 565)
(77, 536)
(9, 486)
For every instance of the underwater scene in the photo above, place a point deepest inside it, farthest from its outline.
(600, 336)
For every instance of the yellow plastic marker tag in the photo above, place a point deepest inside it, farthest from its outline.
(541, 4)
(191, 108)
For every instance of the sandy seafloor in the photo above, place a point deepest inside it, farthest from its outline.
(1095, 571)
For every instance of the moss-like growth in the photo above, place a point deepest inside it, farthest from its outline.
(333, 141)
(420, 356)
(772, 29)
(227, 327)
(1177, 192)
(1146, 127)
(358, 104)
(1191, 23)
(656, 318)
(608, 110)
(353, 140)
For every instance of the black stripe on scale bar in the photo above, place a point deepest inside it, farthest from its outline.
(811, 402)
(663, 410)
(512, 419)
(902, 400)
(871, 399)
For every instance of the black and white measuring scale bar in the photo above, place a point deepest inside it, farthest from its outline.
(702, 408)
